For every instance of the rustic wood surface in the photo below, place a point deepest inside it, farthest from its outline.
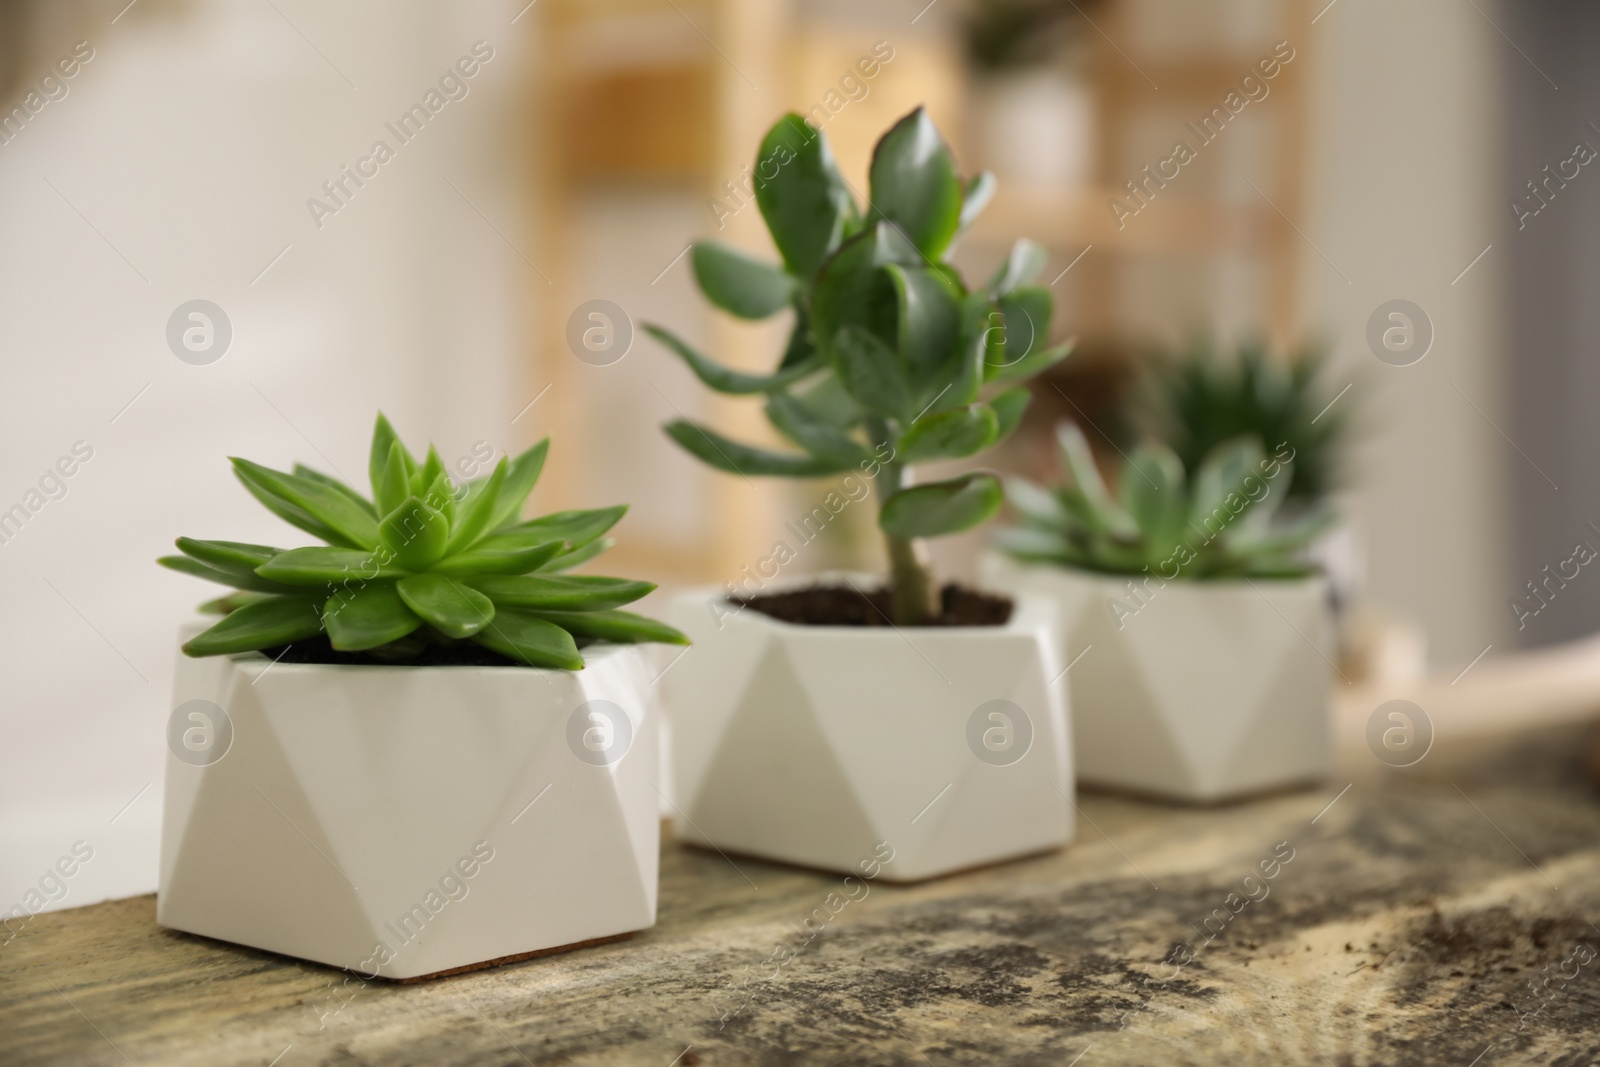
(1418, 915)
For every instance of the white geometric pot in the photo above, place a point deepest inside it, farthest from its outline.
(403, 821)
(815, 745)
(1193, 690)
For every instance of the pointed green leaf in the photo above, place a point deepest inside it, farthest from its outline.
(318, 565)
(976, 197)
(577, 557)
(1151, 487)
(560, 592)
(1102, 512)
(1025, 321)
(1036, 505)
(527, 639)
(423, 479)
(476, 512)
(330, 509)
(795, 421)
(440, 495)
(336, 484)
(1222, 473)
(949, 434)
(1009, 407)
(914, 184)
(483, 560)
(222, 605)
(577, 528)
(622, 627)
(235, 557)
(415, 533)
(738, 283)
(237, 579)
(280, 620)
(1039, 546)
(364, 618)
(727, 380)
(383, 440)
(1021, 267)
(942, 507)
(929, 320)
(801, 195)
(521, 475)
(717, 451)
(1040, 359)
(393, 485)
(853, 290)
(451, 607)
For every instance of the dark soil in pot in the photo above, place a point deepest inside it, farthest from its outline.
(843, 605)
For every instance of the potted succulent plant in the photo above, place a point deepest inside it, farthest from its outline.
(1194, 626)
(358, 742)
(814, 724)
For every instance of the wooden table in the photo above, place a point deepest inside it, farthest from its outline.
(1416, 910)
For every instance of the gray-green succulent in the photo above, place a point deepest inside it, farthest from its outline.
(1228, 522)
(892, 361)
(424, 562)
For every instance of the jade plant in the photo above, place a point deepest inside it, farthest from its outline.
(1225, 522)
(1198, 398)
(892, 360)
(425, 562)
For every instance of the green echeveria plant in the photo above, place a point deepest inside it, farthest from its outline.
(1199, 399)
(1223, 524)
(892, 360)
(425, 562)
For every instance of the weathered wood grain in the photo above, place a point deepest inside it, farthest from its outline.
(1405, 929)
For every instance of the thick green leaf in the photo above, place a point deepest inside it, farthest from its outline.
(336, 484)
(319, 565)
(415, 533)
(727, 380)
(1025, 316)
(237, 579)
(942, 507)
(740, 284)
(521, 476)
(577, 528)
(871, 372)
(560, 592)
(451, 607)
(949, 434)
(1101, 511)
(383, 440)
(291, 514)
(1039, 546)
(1152, 489)
(979, 191)
(853, 290)
(623, 627)
(577, 557)
(801, 195)
(1009, 407)
(801, 348)
(1223, 473)
(796, 421)
(1021, 267)
(717, 451)
(483, 560)
(279, 620)
(364, 618)
(527, 639)
(222, 605)
(431, 471)
(929, 320)
(1039, 359)
(329, 508)
(1036, 505)
(475, 514)
(235, 557)
(914, 184)
(393, 483)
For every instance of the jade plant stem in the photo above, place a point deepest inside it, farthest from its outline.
(910, 576)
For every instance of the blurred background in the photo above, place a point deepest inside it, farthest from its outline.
(226, 151)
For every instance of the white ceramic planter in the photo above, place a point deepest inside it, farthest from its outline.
(403, 821)
(816, 745)
(1206, 691)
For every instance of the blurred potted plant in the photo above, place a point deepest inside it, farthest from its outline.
(1193, 622)
(810, 725)
(1034, 108)
(356, 740)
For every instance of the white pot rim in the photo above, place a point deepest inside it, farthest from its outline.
(1314, 578)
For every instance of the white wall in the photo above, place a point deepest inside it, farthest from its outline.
(192, 147)
(1404, 194)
